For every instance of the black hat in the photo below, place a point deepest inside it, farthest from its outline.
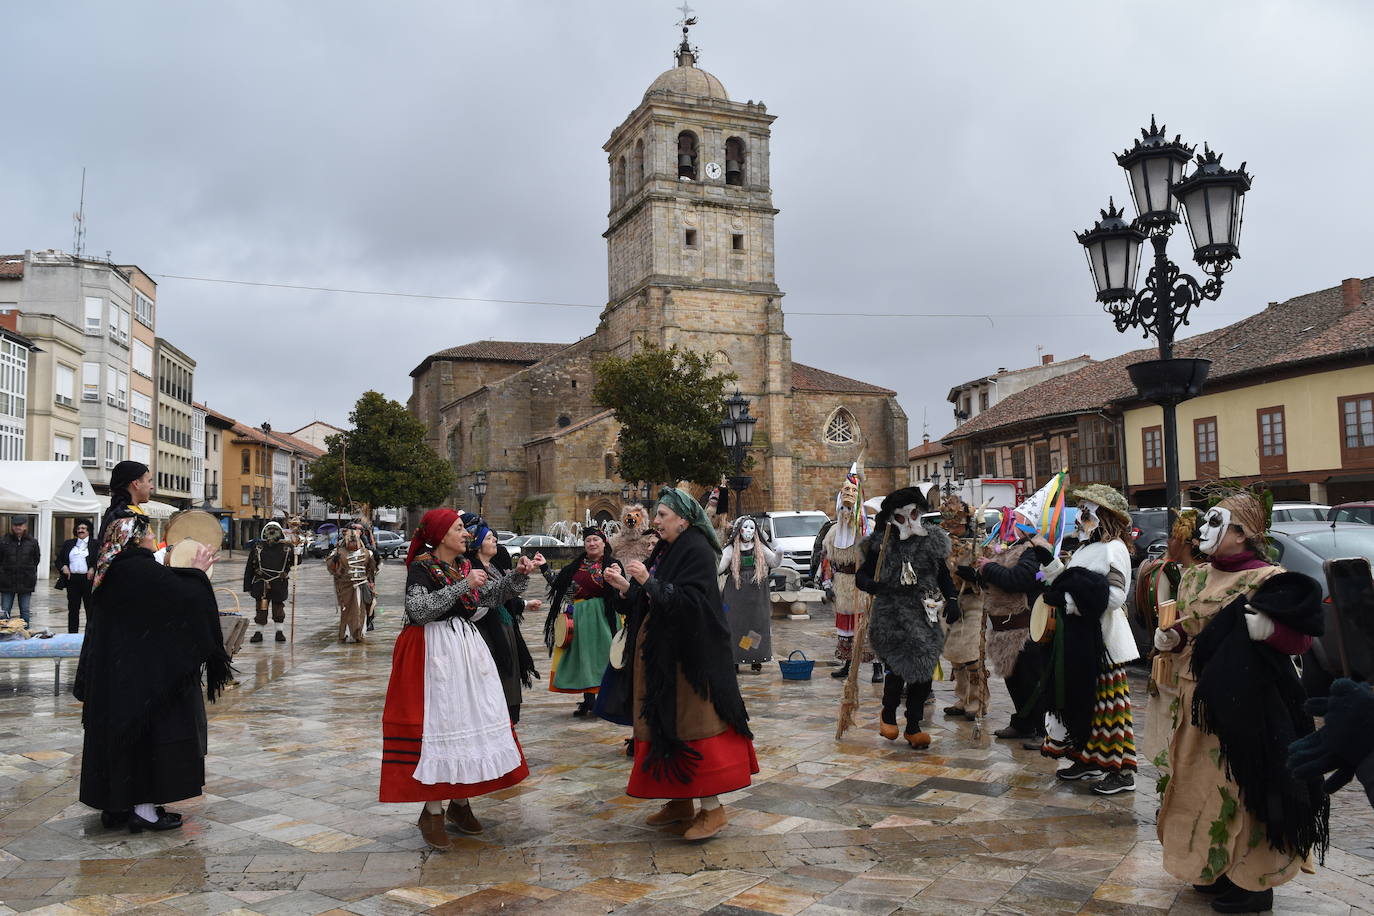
(906, 496)
(125, 473)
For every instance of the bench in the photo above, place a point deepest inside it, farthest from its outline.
(63, 645)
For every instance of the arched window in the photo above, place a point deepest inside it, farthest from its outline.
(619, 181)
(637, 173)
(841, 429)
(734, 161)
(687, 155)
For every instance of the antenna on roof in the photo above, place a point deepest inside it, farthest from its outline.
(79, 220)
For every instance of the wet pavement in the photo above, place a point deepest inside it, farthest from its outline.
(290, 824)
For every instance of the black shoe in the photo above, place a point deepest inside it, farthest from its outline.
(1079, 770)
(1115, 782)
(281, 637)
(370, 625)
(842, 671)
(1223, 885)
(256, 637)
(629, 747)
(955, 711)
(877, 673)
(1012, 733)
(1036, 743)
(163, 822)
(1243, 901)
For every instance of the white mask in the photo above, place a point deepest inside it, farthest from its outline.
(1212, 529)
(747, 530)
(1086, 523)
(907, 521)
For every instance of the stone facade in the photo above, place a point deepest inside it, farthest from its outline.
(690, 261)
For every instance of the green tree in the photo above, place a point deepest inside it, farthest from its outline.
(382, 461)
(668, 404)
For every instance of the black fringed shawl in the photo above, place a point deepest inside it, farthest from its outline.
(689, 634)
(1249, 696)
(1080, 652)
(491, 626)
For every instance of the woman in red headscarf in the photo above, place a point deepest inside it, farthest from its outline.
(446, 732)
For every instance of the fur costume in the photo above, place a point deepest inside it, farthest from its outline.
(354, 571)
(636, 539)
(1009, 586)
(902, 634)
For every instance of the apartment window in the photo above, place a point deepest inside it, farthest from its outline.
(982, 401)
(244, 499)
(141, 410)
(121, 446)
(95, 314)
(1018, 463)
(1357, 430)
(143, 309)
(990, 463)
(11, 441)
(111, 386)
(64, 385)
(1043, 464)
(247, 461)
(1152, 447)
(61, 448)
(109, 451)
(90, 381)
(143, 359)
(1273, 440)
(1205, 443)
(89, 446)
(139, 451)
(119, 324)
(14, 383)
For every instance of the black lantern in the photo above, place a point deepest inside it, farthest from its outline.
(727, 433)
(1154, 164)
(737, 405)
(1214, 202)
(625, 492)
(480, 490)
(1112, 246)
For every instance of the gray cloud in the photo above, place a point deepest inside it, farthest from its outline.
(928, 158)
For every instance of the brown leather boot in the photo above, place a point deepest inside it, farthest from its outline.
(432, 829)
(461, 817)
(706, 824)
(918, 740)
(887, 731)
(679, 809)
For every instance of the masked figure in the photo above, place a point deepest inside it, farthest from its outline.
(745, 563)
(964, 641)
(267, 577)
(635, 539)
(905, 570)
(1233, 821)
(838, 561)
(354, 573)
(1087, 690)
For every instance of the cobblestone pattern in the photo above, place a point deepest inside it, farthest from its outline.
(290, 824)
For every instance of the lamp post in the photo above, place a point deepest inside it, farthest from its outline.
(737, 434)
(953, 479)
(479, 489)
(1213, 202)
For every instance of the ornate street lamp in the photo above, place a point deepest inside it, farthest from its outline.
(480, 490)
(625, 491)
(1213, 201)
(737, 434)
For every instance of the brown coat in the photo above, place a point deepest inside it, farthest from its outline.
(696, 717)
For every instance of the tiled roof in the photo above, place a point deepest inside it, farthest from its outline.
(926, 449)
(809, 378)
(299, 446)
(11, 266)
(1306, 329)
(494, 351)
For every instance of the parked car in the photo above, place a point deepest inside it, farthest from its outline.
(1300, 512)
(794, 534)
(1151, 533)
(389, 544)
(1353, 512)
(533, 542)
(322, 544)
(503, 536)
(1303, 547)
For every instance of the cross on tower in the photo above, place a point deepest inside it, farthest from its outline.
(687, 18)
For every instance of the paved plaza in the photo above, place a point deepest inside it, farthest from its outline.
(291, 826)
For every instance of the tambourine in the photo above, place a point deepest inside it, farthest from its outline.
(1043, 621)
(563, 630)
(618, 641)
(186, 531)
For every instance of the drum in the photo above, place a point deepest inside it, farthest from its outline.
(1042, 621)
(563, 630)
(188, 529)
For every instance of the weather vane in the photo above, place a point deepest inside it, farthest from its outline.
(687, 21)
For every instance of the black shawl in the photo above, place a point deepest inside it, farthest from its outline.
(689, 633)
(1249, 696)
(490, 626)
(1080, 652)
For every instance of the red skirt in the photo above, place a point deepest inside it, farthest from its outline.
(727, 761)
(403, 719)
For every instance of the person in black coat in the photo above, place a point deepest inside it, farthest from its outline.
(19, 558)
(154, 629)
(76, 568)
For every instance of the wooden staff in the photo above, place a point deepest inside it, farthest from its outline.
(849, 700)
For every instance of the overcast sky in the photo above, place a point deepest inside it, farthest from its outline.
(930, 158)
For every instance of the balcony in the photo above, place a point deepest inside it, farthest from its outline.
(212, 492)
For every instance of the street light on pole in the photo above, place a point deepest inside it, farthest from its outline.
(737, 434)
(1213, 202)
(479, 489)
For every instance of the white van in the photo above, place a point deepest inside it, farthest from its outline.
(794, 534)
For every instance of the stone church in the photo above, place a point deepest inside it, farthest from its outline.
(690, 262)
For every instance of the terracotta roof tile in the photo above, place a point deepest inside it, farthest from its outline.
(926, 449)
(809, 378)
(11, 266)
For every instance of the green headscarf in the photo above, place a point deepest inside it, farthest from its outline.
(684, 505)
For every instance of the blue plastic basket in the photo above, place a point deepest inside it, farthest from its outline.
(796, 669)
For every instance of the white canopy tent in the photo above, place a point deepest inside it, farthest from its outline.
(45, 489)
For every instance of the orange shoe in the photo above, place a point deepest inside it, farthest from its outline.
(706, 824)
(918, 740)
(679, 809)
(887, 731)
